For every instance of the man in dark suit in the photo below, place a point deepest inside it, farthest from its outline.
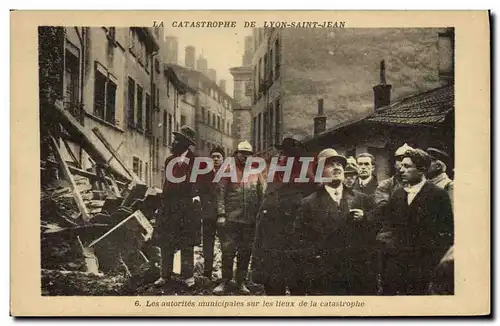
(179, 222)
(418, 229)
(333, 234)
(366, 183)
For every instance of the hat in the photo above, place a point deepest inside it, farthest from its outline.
(351, 169)
(402, 150)
(289, 141)
(437, 154)
(352, 166)
(244, 146)
(330, 153)
(219, 150)
(187, 133)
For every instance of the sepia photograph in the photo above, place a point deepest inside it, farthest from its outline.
(212, 163)
(118, 104)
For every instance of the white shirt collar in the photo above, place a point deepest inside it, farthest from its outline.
(335, 193)
(365, 181)
(415, 188)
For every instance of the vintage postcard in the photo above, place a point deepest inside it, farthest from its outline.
(259, 163)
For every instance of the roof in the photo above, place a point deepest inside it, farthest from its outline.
(427, 108)
(182, 86)
(181, 71)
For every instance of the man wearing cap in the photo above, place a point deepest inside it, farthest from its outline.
(208, 189)
(237, 207)
(273, 263)
(366, 183)
(333, 234)
(437, 171)
(179, 223)
(419, 229)
(388, 186)
(350, 172)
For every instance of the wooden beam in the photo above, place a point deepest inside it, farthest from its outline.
(70, 152)
(67, 174)
(78, 132)
(117, 157)
(86, 174)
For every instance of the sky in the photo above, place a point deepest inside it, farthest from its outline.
(222, 47)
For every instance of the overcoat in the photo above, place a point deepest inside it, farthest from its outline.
(179, 219)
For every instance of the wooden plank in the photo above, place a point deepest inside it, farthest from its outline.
(117, 157)
(86, 174)
(76, 130)
(69, 177)
(70, 152)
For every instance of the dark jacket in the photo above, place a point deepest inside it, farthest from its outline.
(369, 189)
(239, 200)
(208, 194)
(322, 224)
(424, 225)
(179, 220)
(273, 245)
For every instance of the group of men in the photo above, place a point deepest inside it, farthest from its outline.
(346, 234)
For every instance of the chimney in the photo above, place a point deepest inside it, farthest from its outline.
(222, 84)
(446, 46)
(382, 92)
(320, 119)
(189, 58)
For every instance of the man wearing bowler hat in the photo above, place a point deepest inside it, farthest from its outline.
(274, 263)
(437, 171)
(351, 172)
(333, 233)
(179, 222)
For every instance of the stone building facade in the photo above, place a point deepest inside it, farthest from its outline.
(293, 68)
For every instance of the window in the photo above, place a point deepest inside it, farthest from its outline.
(104, 97)
(140, 169)
(157, 99)
(224, 125)
(177, 126)
(277, 58)
(164, 128)
(213, 120)
(208, 118)
(271, 67)
(157, 154)
(169, 135)
(183, 120)
(157, 65)
(227, 128)
(71, 79)
(270, 135)
(139, 107)
(135, 165)
(203, 114)
(149, 125)
(218, 122)
(168, 88)
(131, 102)
(254, 130)
(264, 129)
(277, 121)
(202, 144)
(259, 119)
(146, 172)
